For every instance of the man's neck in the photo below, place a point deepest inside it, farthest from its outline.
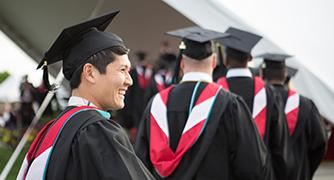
(276, 82)
(206, 71)
(237, 66)
(87, 96)
(196, 76)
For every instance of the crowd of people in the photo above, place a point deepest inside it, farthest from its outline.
(187, 118)
(15, 117)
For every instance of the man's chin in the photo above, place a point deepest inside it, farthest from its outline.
(117, 107)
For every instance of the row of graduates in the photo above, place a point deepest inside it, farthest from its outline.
(176, 142)
(191, 130)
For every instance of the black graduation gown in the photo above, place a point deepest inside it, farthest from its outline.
(219, 71)
(229, 147)
(135, 104)
(152, 88)
(276, 133)
(99, 149)
(150, 91)
(308, 142)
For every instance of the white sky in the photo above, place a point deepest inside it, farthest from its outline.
(16, 61)
(304, 28)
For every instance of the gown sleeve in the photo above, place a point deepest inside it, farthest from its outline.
(142, 141)
(316, 138)
(102, 150)
(248, 153)
(278, 137)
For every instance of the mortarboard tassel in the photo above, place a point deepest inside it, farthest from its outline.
(46, 76)
(220, 56)
(176, 76)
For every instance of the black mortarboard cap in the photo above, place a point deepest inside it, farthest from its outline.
(196, 44)
(239, 40)
(291, 71)
(273, 61)
(197, 41)
(77, 43)
(255, 71)
(141, 55)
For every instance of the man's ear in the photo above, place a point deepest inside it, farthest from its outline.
(214, 61)
(89, 73)
(249, 58)
(182, 64)
(286, 74)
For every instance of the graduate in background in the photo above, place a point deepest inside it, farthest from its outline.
(164, 74)
(261, 99)
(27, 97)
(307, 132)
(130, 115)
(194, 130)
(221, 69)
(82, 142)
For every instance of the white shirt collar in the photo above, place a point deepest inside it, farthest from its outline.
(196, 76)
(239, 72)
(79, 101)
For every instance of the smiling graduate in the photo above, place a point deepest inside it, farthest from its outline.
(82, 142)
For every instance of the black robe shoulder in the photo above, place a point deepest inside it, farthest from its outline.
(307, 144)
(99, 149)
(276, 132)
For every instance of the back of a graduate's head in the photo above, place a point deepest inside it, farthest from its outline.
(198, 57)
(274, 74)
(100, 61)
(236, 58)
(206, 64)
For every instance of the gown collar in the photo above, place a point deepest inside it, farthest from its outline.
(79, 101)
(239, 72)
(196, 76)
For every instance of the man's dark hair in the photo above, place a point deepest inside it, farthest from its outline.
(274, 74)
(237, 55)
(99, 60)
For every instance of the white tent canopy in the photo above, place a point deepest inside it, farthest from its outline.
(301, 27)
(292, 25)
(9, 89)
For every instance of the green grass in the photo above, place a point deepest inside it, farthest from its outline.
(5, 154)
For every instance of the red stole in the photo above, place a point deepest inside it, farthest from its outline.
(291, 110)
(259, 105)
(162, 156)
(36, 161)
(144, 76)
(161, 82)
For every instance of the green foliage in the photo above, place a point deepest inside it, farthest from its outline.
(3, 76)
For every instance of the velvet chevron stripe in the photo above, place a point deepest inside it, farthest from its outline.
(162, 156)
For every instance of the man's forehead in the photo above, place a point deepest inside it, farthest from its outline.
(122, 60)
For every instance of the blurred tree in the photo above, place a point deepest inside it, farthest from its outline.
(3, 76)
